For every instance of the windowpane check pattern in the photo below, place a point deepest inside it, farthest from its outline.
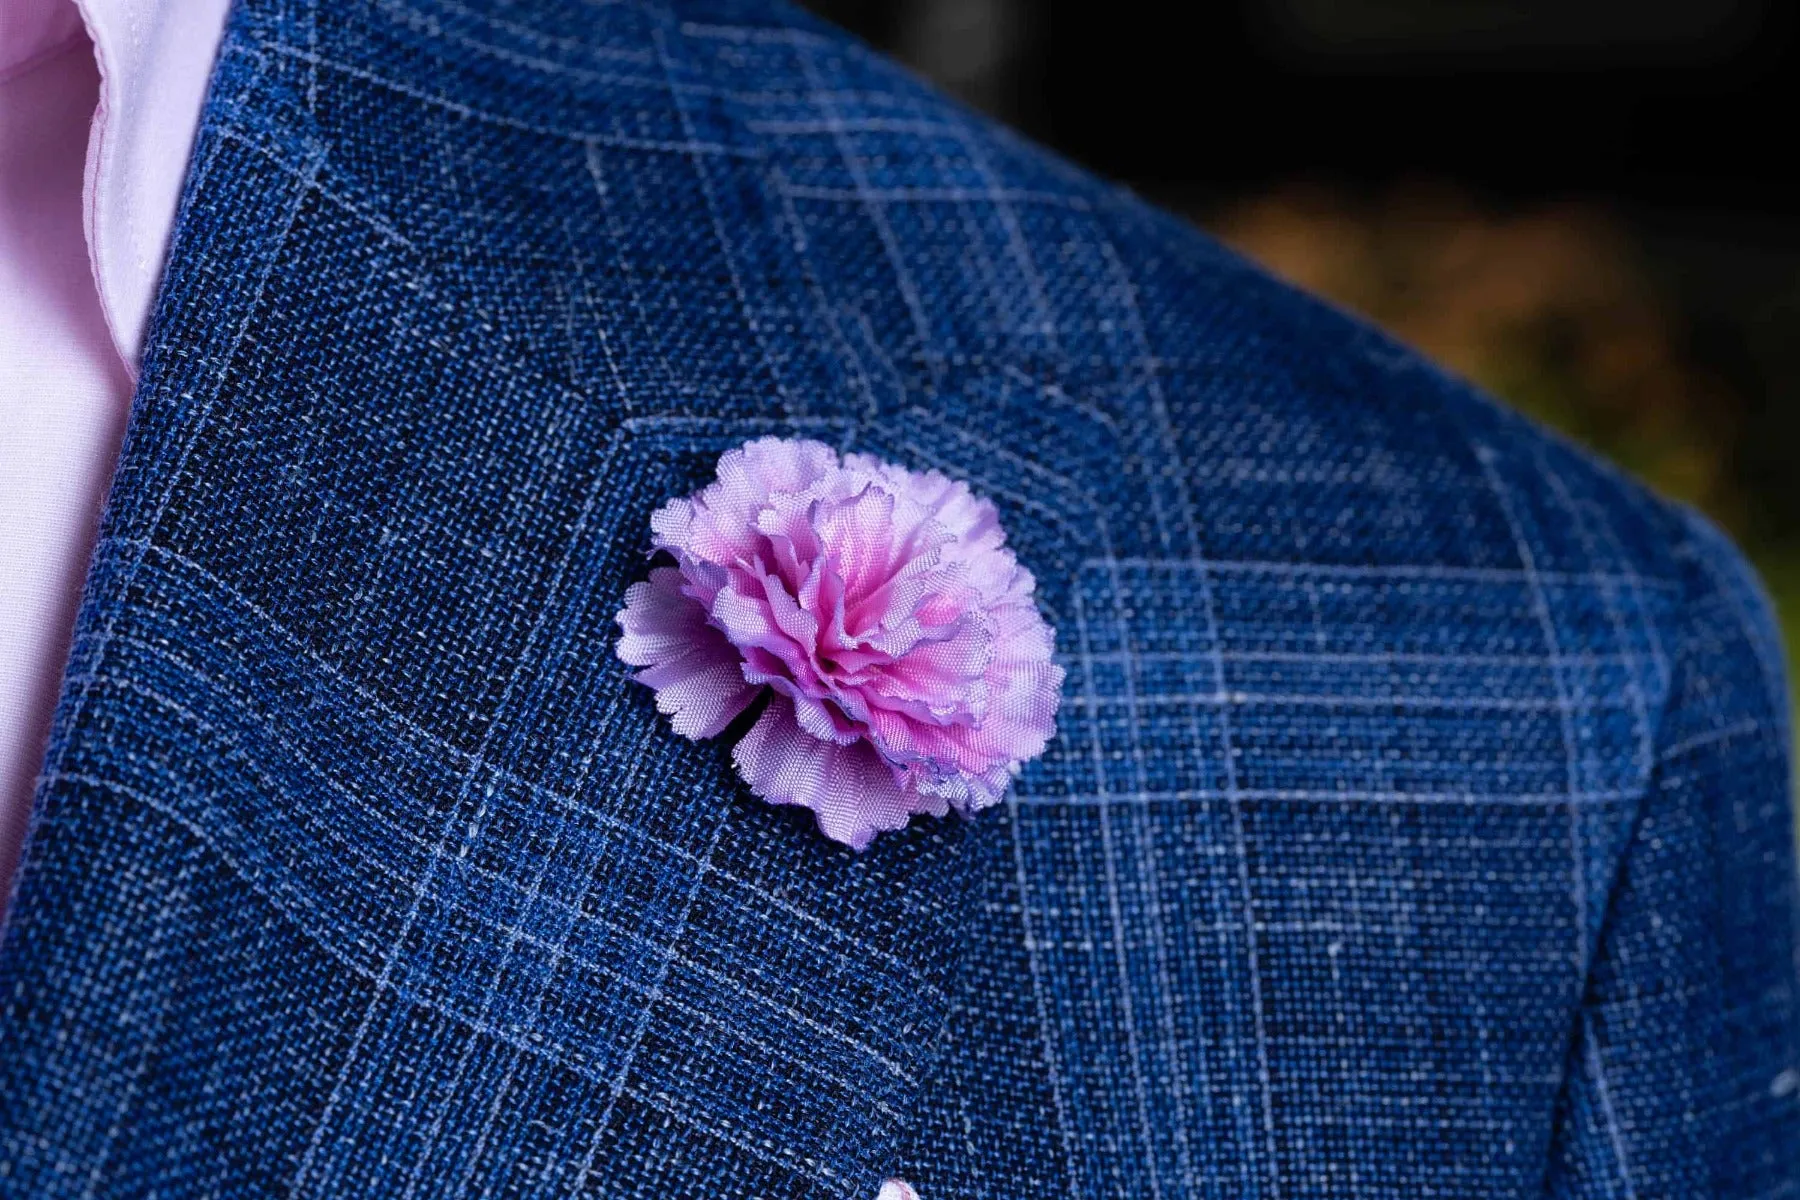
(1417, 822)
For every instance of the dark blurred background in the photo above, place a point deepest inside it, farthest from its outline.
(1588, 206)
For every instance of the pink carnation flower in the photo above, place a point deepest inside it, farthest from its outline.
(906, 665)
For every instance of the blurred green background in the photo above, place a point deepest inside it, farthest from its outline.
(1566, 312)
(1586, 206)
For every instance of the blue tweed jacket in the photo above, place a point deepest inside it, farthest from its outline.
(1417, 824)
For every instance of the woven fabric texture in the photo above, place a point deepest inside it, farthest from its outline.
(1417, 823)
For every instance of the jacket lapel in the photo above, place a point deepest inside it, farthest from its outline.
(357, 861)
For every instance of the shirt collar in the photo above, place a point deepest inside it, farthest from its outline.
(155, 59)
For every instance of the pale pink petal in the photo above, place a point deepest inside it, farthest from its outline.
(750, 625)
(719, 523)
(700, 695)
(971, 519)
(696, 671)
(852, 793)
(659, 622)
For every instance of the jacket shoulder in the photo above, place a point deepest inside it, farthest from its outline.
(1006, 285)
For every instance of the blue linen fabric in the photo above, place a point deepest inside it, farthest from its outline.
(1417, 824)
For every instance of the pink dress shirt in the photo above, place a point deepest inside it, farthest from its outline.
(98, 106)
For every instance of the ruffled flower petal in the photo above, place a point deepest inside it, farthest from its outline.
(696, 671)
(853, 793)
